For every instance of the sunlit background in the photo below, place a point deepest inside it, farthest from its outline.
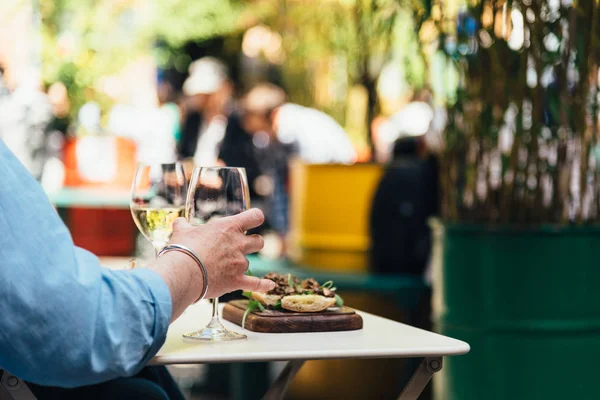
(501, 96)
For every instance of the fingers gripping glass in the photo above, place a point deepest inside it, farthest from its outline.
(158, 196)
(216, 192)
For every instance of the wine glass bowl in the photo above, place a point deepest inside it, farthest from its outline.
(158, 195)
(216, 192)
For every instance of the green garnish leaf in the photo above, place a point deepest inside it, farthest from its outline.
(249, 272)
(333, 289)
(307, 292)
(290, 280)
(247, 295)
(327, 284)
(278, 304)
(252, 305)
(338, 300)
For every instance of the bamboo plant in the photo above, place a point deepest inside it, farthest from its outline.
(521, 141)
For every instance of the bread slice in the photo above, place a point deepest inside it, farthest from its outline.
(266, 299)
(307, 303)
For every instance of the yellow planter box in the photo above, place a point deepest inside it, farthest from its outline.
(329, 214)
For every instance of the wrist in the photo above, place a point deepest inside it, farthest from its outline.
(187, 272)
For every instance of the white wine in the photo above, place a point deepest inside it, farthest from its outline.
(156, 223)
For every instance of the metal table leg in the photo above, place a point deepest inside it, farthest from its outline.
(279, 387)
(421, 378)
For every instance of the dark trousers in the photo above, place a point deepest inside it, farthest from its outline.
(152, 383)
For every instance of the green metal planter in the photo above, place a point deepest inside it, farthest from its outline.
(528, 303)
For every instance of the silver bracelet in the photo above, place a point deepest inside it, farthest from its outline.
(185, 250)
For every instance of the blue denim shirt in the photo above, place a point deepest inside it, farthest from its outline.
(64, 319)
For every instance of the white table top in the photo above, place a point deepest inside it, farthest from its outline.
(380, 338)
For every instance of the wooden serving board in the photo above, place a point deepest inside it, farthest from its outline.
(275, 321)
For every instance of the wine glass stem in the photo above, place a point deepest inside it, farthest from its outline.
(215, 309)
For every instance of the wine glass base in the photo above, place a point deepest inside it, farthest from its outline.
(214, 335)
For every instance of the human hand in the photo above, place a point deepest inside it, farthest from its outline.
(222, 246)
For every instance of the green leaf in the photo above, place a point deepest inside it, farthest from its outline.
(307, 292)
(327, 284)
(247, 295)
(252, 305)
(261, 307)
(249, 272)
(278, 305)
(339, 301)
(290, 280)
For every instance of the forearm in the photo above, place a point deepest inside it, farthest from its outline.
(90, 326)
(183, 277)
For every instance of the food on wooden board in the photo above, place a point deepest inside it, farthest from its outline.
(297, 295)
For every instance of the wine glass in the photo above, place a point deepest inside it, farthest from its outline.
(158, 195)
(216, 192)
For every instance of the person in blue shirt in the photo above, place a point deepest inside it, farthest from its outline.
(68, 322)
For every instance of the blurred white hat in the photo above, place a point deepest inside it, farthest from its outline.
(206, 76)
(264, 97)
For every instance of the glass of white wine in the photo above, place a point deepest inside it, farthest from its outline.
(158, 196)
(216, 192)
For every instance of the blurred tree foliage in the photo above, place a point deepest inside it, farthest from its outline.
(82, 41)
(177, 21)
(85, 40)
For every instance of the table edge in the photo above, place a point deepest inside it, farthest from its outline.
(334, 355)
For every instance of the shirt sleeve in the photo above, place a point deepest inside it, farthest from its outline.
(66, 320)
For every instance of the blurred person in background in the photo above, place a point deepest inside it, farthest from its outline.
(165, 94)
(61, 106)
(406, 197)
(24, 118)
(318, 138)
(418, 117)
(59, 128)
(208, 90)
(238, 149)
